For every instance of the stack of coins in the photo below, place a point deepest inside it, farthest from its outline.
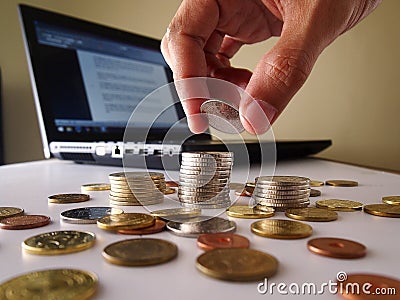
(282, 192)
(204, 179)
(136, 188)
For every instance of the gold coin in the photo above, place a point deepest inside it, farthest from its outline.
(246, 212)
(140, 252)
(344, 183)
(125, 221)
(176, 213)
(281, 229)
(311, 214)
(59, 242)
(316, 183)
(315, 193)
(383, 210)
(95, 187)
(393, 200)
(66, 284)
(339, 205)
(68, 198)
(169, 191)
(6, 212)
(237, 264)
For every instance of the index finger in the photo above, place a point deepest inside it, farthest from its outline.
(183, 49)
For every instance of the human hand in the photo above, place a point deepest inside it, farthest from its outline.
(205, 34)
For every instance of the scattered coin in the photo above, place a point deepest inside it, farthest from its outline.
(311, 214)
(6, 212)
(158, 226)
(24, 222)
(68, 198)
(67, 284)
(199, 225)
(176, 213)
(126, 221)
(339, 205)
(315, 193)
(382, 210)
(140, 252)
(59, 242)
(316, 183)
(137, 188)
(246, 212)
(281, 229)
(171, 184)
(169, 191)
(222, 116)
(237, 264)
(393, 200)
(336, 247)
(95, 187)
(374, 283)
(343, 183)
(212, 241)
(88, 215)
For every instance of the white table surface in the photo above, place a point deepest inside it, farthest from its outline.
(27, 185)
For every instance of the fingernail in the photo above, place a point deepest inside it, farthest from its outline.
(257, 115)
(197, 123)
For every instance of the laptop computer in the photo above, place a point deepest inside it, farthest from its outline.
(87, 79)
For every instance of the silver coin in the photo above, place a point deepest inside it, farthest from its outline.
(282, 192)
(283, 180)
(269, 200)
(204, 164)
(88, 215)
(207, 154)
(222, 116)
(206, 172)
(200, 225)
(204, 178)
(281, 204)
(282, 187)
(281, 197)
(206, 186)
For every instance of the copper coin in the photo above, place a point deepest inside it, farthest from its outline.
(241, 192)
(158, 226)
(248, 190)
(337, 248)
(368, 287)
(24, 222)
(171, 184)
(210, 241)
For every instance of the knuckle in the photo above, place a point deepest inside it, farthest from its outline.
(290, 69)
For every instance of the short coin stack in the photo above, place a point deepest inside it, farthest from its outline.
(204, 179)
(136, 188)
(282, 192)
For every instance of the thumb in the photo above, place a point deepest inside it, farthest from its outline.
(277, 77)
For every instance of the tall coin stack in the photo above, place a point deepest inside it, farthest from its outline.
(282, 192)
(204, 179)
(136, 188)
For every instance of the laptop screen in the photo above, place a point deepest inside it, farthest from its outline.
(88, 78)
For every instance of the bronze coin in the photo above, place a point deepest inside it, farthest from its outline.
(210, 241)
(248, 190)
(337, 248)
(171, 184)
(368, 287)
(24, 222)
(315, 193)
(158, 226)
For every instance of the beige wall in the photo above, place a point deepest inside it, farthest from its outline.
(352, 96)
